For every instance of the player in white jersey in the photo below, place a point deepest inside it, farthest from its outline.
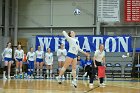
(19, 56)
(99, 60)
(31, 57)
(39, 61)
(61, 54)
(7, 56)
(71, 56)
(49, 62)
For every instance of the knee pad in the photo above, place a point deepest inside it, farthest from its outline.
(5, 68)
(63, 69)
(74, 71)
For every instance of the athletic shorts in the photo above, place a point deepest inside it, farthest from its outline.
(7, 59)
(48, 63)
(19, 59)
(39, 60)
(71, 55)
(31, 64)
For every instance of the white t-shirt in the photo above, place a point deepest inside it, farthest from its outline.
(49, 58)
(99, 55)
(61, 54)
(73, 44)
(39, 54)
(31, 56)
(7, 53)
(19, 54)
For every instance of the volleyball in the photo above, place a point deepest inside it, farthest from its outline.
(77, 11)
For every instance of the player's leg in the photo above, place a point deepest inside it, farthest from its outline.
(5, 69)
(29, 69)
(17, 66)
(59, 66)
(9, 69)
(37, 69)
(41, 69)
(74, 63)
(91, 77)
(32, 69)
(62, 64)
(50, 71)
(66, 64)
(20, 65)
(47, 71)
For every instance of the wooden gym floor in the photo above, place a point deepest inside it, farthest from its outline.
(51, 86)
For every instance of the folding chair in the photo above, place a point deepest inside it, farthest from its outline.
(117, 70)
(109, 70)
(128, 70)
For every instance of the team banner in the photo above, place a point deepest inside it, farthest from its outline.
(88, 43)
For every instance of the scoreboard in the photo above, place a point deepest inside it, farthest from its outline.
(132, 11)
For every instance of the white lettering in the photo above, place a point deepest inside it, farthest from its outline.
(121, 41)
(108, 46)
(86, 45)
(98, 41)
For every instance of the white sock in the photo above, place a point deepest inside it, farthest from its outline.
(4, 73)
(40, 72)
(37, 72)
(20, 70)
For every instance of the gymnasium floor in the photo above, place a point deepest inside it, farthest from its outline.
(51, 86)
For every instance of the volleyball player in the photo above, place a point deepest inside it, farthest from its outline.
(61, 54)
(39, 61)
(31, 57)
(19, 56)
(71, 56)
(99, 60)
(49, 62)
(7, 56)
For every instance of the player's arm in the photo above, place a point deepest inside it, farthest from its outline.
(3, 53)
(35, 57)
(103, 59)
(52, 57)
(27, 56)
(65, 52)
(94, 59)
(23, 56)
(15, 55)
(45, 57)
(85, 53)
(58, 53)
(66, 35)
